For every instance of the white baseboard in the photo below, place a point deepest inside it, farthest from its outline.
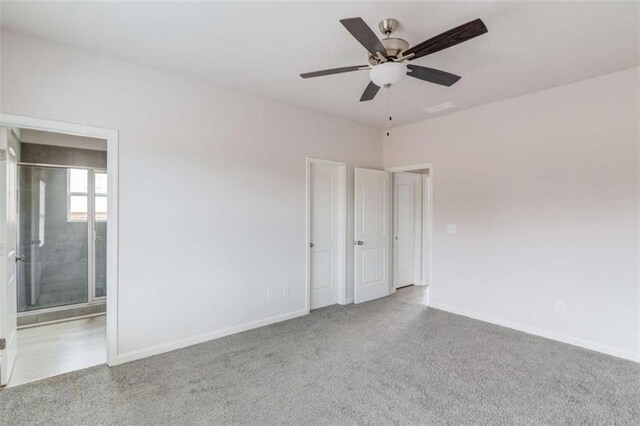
(347, 301)
(609, 350)
(201, 338)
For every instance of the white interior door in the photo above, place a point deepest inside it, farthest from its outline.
(372, 223)
(406, 223)
(327, 233)
(8, 234)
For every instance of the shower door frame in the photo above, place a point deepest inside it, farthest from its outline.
(111, 136)
(91, 234)
(91, 210)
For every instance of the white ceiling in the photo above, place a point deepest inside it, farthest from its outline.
(260, 48)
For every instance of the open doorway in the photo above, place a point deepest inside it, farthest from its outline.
(59, 249)
(411, 240)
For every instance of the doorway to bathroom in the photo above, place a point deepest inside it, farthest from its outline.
(57, 230)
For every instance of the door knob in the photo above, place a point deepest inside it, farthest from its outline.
(21, 258)
(359, 243)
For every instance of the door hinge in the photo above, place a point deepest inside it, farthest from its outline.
(3, 344)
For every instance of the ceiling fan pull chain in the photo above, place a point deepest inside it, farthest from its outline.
(389, 109)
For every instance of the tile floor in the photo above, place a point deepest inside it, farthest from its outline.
(413, 294)
(49, 350)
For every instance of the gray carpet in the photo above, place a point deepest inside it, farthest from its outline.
(384, 362)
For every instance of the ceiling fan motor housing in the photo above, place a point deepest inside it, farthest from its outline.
(394, 46)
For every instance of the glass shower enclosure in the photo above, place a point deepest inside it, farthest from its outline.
(62, 213)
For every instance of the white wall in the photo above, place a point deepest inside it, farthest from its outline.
(212, 187)
(543, 189)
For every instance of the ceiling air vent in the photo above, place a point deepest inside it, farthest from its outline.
(441, 107)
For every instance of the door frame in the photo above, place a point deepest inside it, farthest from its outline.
(111, 136)
(427, 218)
(342, 213)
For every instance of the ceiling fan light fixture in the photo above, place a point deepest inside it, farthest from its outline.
(387, 74)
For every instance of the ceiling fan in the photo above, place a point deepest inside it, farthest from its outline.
(387, 56)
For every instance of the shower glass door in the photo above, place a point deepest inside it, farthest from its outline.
(52, 237)
(62, 236)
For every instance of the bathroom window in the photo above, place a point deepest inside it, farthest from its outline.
(100, 184)
(77, 195)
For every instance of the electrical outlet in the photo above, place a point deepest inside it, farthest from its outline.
(559, 305)
(269, 294)
(285, 291)
(452, 228)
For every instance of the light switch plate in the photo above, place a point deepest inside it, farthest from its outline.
(451, 228)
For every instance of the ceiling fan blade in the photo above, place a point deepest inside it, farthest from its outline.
(370, 92)
(333, 71)
(365, 35)
(432, 75)
(447, 39)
